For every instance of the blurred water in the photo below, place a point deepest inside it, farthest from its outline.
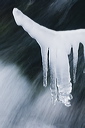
(13, 91)
(16, 109)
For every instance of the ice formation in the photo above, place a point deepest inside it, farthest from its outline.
(58, 44)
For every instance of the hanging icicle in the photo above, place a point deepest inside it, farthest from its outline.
(59, 44)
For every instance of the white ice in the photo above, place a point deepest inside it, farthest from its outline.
(59, 44)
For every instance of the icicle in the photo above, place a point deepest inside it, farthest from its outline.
(84, 51)
(84, 59)
(63, 77)
(44, 53)
(75, 60)
(59, 45)
(52, 65)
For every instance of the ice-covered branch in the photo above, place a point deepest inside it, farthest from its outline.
(59, 44)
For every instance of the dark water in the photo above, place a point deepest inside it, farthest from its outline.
(24, 102)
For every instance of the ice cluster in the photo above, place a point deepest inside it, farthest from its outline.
(55, 48)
